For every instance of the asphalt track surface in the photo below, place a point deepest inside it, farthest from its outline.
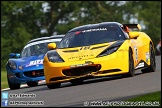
(104, 89)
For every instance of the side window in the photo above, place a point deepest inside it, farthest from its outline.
(25, 53)
(64, 43)
(29, 51)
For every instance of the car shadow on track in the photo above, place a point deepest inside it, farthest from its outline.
(87, 81)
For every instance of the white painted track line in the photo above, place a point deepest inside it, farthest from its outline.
(25, 85)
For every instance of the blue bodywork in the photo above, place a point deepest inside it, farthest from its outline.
(27, 67)
(24, 68)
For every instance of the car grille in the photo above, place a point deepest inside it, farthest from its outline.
(34, 73)
(17, 75)
(81, 70)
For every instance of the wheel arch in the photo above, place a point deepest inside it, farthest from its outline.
(130, 50)
(152, 45)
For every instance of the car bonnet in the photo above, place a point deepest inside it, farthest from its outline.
(81, 53)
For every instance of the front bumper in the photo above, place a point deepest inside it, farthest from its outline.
(113, 64)
(18, 76)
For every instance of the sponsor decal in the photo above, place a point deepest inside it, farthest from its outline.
(140, 65)
(79, 65)
(35, 62)
(136, 53)
(85, 48)
(147, 56)
(80, 57)
(78, 32)
(97, 29)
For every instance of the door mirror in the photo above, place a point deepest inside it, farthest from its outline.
(13, 55)
(52, 46)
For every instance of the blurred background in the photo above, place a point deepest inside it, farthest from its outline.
(22, 21)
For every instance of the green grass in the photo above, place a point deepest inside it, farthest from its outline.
(150, 99)
(4, 83)
(155, 96)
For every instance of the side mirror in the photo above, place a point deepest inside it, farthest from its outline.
(17, 55)
(51, 46)
(133, 35)
(12, 55)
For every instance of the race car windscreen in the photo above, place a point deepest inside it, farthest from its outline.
(92, 36)
(35, 49)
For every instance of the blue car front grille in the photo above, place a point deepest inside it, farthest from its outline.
(17, 75)
(34, 73)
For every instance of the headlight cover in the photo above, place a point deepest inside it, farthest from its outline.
(12, 64)
(111, 49)
(53, 56)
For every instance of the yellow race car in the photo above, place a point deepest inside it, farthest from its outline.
(95, 50)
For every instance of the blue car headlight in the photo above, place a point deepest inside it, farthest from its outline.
(111, 49)
(12, 64)
(53, 56)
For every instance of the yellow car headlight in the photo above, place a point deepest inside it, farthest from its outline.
(53, 56)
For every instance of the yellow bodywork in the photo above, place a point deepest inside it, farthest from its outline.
(112, 64)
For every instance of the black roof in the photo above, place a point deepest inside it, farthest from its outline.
(89, 26)
(46, 38)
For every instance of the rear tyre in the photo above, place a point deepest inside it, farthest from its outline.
(131, 72)
(13, 86)
(52, 86)
(32, 83)
(152, 66)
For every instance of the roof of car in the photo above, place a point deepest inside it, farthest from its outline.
(89, 26)
(46, 38)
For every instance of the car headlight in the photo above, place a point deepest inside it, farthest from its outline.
(111, 49)
(53, 56)
(12, 64)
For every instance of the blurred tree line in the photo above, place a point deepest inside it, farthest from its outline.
(22, 21)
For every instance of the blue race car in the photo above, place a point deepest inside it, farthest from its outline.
(27, 67)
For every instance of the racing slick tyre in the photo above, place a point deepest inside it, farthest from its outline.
(152, 66)
(32, 83)
(12, 86)
(76, 81)
(131, 72)
(52, 86)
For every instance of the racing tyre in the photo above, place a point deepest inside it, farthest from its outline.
(152, 66)
(77, 81)
(52, 86)
(32, 83)
(13, 86)
(131, 72)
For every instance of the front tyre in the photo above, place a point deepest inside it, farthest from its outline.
(13, 86)
(152, 66)
(77, 81)
(52, 86)
(32, 83)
